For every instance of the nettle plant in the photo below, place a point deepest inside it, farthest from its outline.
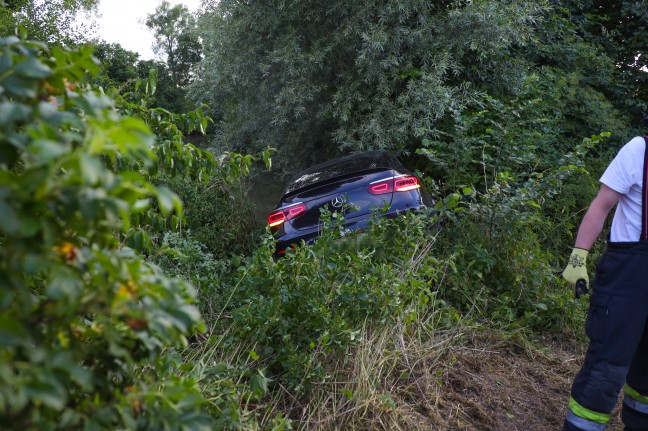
(86, 324)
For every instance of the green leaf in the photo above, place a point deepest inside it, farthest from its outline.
(12, 332)
(168, 200)
(19, 87)
(33, 179)
(92, 170)
(48, 392)
(63, 283)
(29, 225)
(10, 220)
(259, 385)
(13, 112)
(267, 160)
(35, 263)
(140, 205)
(47, 151)
(33, 68)
(9, 40)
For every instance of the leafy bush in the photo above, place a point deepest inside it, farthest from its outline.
(310, 306)
(218, 212)
(84, 321)
(89, 330)
(509, 244)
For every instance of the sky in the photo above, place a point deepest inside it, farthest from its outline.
(121, 21)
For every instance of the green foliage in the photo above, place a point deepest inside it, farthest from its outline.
(176, 157)
(525, 135)
(502, 269)
(310, 307)
(118, 65)
(183, 256)
(176, 40)
(174, 29)
(52, 21)
(303, 77)
(579, 68)
(495, 96)
(167, 95)
(84, 321)
(620, 27)
(219, 213)
(508, 245)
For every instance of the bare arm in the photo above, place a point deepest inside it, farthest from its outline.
(592, 223)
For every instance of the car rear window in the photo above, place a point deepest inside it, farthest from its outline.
(342, 166)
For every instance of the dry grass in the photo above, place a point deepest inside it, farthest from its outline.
(467, 379)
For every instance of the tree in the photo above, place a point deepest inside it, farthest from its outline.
(620, 27)
(315, 78)
(176, 40)
(118, 64)
(53, 21)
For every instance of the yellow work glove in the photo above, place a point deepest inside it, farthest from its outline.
(577, 267)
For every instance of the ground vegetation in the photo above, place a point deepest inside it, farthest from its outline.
(137, 291)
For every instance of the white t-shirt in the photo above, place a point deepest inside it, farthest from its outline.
(625, 175)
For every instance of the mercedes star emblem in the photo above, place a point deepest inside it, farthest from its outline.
(337, 201)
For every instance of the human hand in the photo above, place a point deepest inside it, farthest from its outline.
(577, 267)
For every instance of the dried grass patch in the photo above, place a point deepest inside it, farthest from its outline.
(462, 380)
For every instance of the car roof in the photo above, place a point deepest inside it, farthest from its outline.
(342, 166)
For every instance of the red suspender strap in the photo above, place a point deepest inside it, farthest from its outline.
(644, 195)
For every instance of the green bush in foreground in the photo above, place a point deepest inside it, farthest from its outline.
(305, 309)
(488, 263)
(87, 327)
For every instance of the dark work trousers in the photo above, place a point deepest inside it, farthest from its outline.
(618, 348)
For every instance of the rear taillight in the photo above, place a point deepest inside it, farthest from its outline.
(405, 184)
(398, 184)
(382, 187)
(286, 213)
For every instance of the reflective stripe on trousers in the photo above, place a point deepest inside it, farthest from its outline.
(585, 419)
(634, 400)
(584, 424)
(635, 405)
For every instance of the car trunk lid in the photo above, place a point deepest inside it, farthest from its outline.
(348, 194)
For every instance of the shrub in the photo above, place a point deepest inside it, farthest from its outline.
(311, 305)
(89, 329)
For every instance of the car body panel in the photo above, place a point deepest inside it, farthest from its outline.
(349, 196)
(343, 185)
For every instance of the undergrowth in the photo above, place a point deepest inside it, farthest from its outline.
(353, 331)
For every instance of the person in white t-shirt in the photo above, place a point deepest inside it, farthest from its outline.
(617, 356)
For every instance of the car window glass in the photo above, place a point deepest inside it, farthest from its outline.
(342, 166)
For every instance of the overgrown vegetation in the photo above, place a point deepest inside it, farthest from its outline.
(138, 292)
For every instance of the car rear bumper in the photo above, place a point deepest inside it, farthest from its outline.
(308, 236)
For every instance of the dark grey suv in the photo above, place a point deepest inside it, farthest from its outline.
(355, 185)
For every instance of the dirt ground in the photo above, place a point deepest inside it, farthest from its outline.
(506, 388)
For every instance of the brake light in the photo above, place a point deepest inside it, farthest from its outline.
(405, 184)
(381, 187)
(398, 184)
(275, 219)
(286, 213)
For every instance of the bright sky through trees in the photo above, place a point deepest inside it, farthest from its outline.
(122, 21)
